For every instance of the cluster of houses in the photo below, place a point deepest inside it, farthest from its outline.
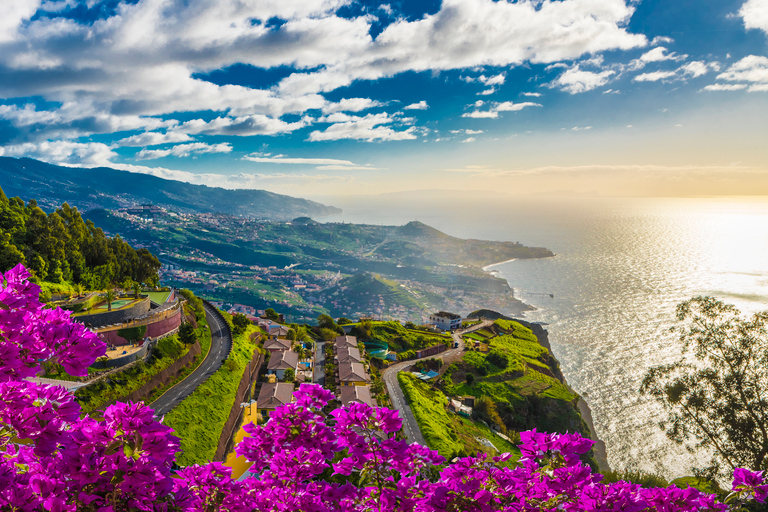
(352, 379)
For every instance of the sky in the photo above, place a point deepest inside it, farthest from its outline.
(316, 98)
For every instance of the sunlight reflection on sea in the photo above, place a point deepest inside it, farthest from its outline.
(622, 266)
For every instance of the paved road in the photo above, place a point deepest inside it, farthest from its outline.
(221, 344)
(319, 363)
(410, 426)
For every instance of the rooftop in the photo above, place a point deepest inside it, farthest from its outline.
(445, 314)
(360, 394)
(278, 344)
(274, 395)
(349, 354)
(353, 372)
(283, 359)
(345, 341)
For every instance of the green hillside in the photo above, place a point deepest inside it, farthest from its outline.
(520, 377)
(62, 248)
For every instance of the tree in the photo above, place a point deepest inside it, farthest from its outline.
(240, 323)
(271, 314)
(79, 289)
(470, 379)
(719, 402)
(326, 322)
(133, 334)
(109, 297)
(136, 286)
(289, 375)
(187, 333)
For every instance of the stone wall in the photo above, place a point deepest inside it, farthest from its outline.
(233, 421)
(163, 378)
(167, 321)
(115, 317)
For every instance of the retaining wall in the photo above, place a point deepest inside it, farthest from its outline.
(158, 324)
(162, 378)
(115, 317)
(235, 414)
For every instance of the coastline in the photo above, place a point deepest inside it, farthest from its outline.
(599, 448)
(601, 452)
(485, 268)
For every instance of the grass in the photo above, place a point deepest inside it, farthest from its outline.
(449, 434)
(158, 297)
(199, 420)
(401, 339)
(204, 337)
(121, 384)
(519, 376)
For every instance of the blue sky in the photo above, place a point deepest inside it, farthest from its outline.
(323, 97)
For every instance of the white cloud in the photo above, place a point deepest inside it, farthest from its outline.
(323, 164)
(659, 54)
(693, 69)
(493, 112)
(580, 128)
(473, 132)
(141, 58)
(297, 161)
(489, 81)
(154, 139)
(183, 150)
(751, 72)
(422, 105)
(755, 14)
(469, 139)
(351, 105)
(12, 14)
(368, 128)
(89, 154)
(662, 40)
(575, 80)
(698, 68)
(532, 94)
(243, 126)
(654, 76)
(70, 121)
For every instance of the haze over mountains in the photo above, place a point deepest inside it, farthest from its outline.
(102, 187)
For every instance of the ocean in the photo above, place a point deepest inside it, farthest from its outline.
(621, 267)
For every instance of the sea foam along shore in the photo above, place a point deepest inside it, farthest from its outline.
(485, 268)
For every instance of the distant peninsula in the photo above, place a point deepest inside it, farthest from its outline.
(305, 268)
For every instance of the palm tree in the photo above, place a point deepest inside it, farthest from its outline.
(110, 296)
(79, 289)
(136, 289)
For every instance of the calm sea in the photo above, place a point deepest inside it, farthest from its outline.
(621, 267)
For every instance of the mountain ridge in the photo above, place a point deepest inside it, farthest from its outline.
(103, 187)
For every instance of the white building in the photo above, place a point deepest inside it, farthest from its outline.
(445, 321)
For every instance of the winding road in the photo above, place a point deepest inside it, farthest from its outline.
(410, 426)
(221, 344)
(319, 367)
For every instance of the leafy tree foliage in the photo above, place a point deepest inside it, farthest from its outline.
(240, 323)
(61, 246)
(271, 314)
(289, 375)
(497, 359)
(133, 334)
(110, 296)
(326, 322)
(187, 333)
(720, 400)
